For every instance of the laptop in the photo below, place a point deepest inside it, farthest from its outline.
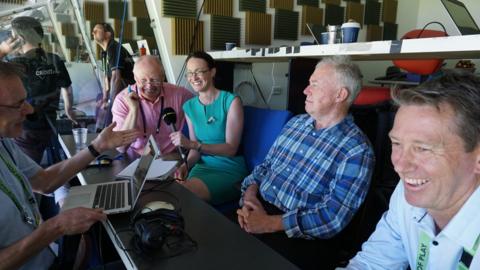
(116, 196)
(461, 17)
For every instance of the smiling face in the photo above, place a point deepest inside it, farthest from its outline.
(199, 75)
(149, 76)
(437, 173)
(13, 107)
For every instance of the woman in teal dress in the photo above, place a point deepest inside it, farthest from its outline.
(215, 123)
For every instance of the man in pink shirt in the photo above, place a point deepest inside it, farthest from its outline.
(139, 106)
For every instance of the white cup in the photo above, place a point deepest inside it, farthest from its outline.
(80, 137)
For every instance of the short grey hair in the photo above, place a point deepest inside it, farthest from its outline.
(347, 74)
(458, 89)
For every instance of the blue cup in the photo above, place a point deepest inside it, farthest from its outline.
(324, 37)
(350, 32)
(230, 45)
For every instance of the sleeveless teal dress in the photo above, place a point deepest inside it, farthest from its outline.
(219, 173)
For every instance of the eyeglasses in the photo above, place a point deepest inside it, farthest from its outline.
(151, 82)
(20, 105)
(201, 73)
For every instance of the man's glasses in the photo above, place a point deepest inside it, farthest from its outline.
(151, 82)
(18, 107)
(190, 74)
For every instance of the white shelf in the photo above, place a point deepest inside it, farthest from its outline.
(453, 47)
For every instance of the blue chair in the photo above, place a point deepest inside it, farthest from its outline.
(260, 129)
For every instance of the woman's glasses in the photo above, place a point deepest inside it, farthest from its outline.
(199, 73)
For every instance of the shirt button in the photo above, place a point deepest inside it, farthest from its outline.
(435, 243)
(288, 169)
(314, 133)
(301, 151)
(274, 187)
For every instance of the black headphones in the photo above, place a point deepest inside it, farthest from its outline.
(159, 230)
(153, 228)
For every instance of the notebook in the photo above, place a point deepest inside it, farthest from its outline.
(461, 17)
(116, 196)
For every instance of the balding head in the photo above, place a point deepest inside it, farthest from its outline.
(148, 64)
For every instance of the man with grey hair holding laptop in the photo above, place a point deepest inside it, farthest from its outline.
(24, 237)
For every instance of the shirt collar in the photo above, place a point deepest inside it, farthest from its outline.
(346, 121)
(464, 228)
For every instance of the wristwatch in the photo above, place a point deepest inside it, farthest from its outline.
(93, 151)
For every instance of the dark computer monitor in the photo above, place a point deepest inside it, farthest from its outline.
(461, 17)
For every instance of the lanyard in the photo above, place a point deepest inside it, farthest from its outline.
(142, 112)
(36, 219)
(424, 251)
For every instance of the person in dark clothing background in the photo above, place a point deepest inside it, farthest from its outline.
(117, 75)
(46, 77)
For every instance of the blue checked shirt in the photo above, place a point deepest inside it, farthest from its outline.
(318, 178)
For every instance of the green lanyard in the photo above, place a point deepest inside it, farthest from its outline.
(35, 221)
(424, 251)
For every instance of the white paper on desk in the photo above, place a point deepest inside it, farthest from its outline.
(158, 170)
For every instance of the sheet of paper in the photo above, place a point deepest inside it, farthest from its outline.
(159, 169)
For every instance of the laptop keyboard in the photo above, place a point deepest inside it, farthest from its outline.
(110, 196)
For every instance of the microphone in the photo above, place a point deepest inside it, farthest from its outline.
(170, 118)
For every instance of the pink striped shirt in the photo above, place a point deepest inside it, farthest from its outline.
(174, 97)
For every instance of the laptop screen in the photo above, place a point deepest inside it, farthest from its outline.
(461, 17)
(150, 153)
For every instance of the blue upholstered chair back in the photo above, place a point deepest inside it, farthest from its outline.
(260, 129)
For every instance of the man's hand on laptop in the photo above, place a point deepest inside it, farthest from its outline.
(76, 220)
(109, 139)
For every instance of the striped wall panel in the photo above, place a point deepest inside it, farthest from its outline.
(374, 33)
(127, 29)
(139, 9)
(310, 15)
(115, 9)
(144, 28)
(334, 15)
(68, 29)
(253, 5)
(332, 2)
(224, 29)
(180, 8)
(354, 12)
(14, 2)
(312, 3)
(372, 12)
(258, 28)
(286, 25)
(282, 4)
(94, 12)
(72, 42)
(183, 30)
(219, 7)
(389, 11)
(390, 31)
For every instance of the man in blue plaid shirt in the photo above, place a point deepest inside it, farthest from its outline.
(316, 174)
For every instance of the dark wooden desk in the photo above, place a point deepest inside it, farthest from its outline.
(221, 243)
